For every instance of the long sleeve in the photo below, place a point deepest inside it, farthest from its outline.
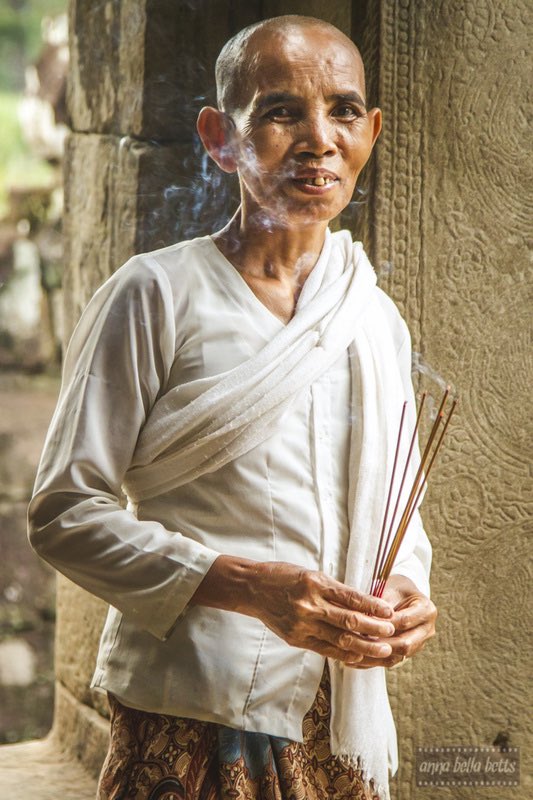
(414, 556)
(116, 365)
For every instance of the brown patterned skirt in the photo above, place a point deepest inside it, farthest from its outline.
(159, 757)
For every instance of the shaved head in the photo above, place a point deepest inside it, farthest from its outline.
(239, 57)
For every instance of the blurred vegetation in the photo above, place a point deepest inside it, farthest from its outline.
(27, 595)
(20, 44)
(18, 166)
(20, 37)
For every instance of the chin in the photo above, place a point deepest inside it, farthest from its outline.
(313, 215)
(293, 214)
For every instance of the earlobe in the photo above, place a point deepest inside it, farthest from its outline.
(215, 129)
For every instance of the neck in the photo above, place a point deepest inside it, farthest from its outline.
(259, 250)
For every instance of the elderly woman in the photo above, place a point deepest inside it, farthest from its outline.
(244, 390)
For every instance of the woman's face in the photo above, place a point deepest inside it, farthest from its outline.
(302, 133)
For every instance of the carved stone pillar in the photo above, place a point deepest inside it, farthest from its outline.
(450, 238)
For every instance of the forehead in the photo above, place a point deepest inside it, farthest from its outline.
(305, 58)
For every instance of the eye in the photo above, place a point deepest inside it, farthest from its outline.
(347, 111)
(280, 113)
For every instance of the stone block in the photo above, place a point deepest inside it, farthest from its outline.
(145, 67)
(100, 216)
(181, 194)
(80, 618)
(106, 74)
(79, 732)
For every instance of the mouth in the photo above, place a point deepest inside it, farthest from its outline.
(315, 181)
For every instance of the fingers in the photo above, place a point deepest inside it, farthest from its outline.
(396, 658)
(411, 641)
(357, 601)
(311, 610)
(403, 645)
(339, 616)
(419, 611)
(355, 622)
(320, 602)
(346, 647)
(328, 651)
(411, 635)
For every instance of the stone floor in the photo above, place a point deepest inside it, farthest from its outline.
(39, 771)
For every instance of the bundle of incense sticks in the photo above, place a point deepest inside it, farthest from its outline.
(389, 544)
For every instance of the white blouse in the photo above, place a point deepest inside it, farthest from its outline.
(181, 315)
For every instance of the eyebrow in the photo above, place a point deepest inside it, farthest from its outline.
(274, 98)
(350, 97)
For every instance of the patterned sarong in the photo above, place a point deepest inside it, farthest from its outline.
(160, 757)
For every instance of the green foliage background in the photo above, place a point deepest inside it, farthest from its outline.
(20, 43)
(20, 37)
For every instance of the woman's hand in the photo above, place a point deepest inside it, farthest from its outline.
(305, 608)
(413, 619)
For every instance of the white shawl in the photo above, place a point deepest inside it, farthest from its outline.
(242, 407)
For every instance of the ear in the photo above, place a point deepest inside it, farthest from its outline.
(374, 117)
(216, 130)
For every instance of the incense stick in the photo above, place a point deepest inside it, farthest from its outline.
(386, 514)
(386, 554)
(380, 562)
(402, 526)
(432, 461)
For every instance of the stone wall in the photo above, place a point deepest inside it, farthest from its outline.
(452, 196)
(445, 221)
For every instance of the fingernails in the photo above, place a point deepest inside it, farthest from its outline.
(384, 650)
(390, 630)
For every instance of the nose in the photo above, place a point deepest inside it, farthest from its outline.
(316, 137)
